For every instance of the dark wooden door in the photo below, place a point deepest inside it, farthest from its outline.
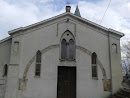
(66, 82)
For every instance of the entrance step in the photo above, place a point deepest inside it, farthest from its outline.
(121, 94)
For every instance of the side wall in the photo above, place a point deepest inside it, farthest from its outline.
(116, 67)
(13, 69)
(5, 48)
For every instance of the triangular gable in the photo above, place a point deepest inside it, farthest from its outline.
(62, 15)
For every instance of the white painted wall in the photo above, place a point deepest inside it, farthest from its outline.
(116, 66)
(5, 48)
(45, 86)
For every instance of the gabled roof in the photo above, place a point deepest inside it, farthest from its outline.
(5, 39)
(66, 14)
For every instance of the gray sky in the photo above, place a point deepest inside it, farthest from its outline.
(18, 13)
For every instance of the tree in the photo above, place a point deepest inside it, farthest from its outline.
(126, 60)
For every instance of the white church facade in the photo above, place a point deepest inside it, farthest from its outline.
(65, 56)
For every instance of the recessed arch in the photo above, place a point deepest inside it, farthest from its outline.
(34, 57)
(67, 35)
(114, 48)
(69, 47)
(84, 50)
(16, 47)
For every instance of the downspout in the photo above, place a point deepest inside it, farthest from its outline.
(110, 60)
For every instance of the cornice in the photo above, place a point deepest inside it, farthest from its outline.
(97, 25)
(5, 39)
(33, 26)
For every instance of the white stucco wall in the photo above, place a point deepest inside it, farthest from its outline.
(116, 66)
(5, 48)
(88, 37)
(46, 85)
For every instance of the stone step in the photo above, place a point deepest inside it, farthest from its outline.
(121, 94)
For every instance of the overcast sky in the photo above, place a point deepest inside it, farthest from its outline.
(18, 13)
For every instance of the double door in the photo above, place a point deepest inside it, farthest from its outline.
(66, 87)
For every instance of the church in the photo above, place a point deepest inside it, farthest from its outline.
(65, 56)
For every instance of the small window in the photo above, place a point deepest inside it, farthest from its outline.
(71, 49)
(38, 63)
(16, 47)
(114, 48)
(94, 57)
(94, 65)
(63, 49)
(5, 70)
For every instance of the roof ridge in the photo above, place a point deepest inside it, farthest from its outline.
(71, 14)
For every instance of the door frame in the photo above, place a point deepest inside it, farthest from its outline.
(75, 79)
